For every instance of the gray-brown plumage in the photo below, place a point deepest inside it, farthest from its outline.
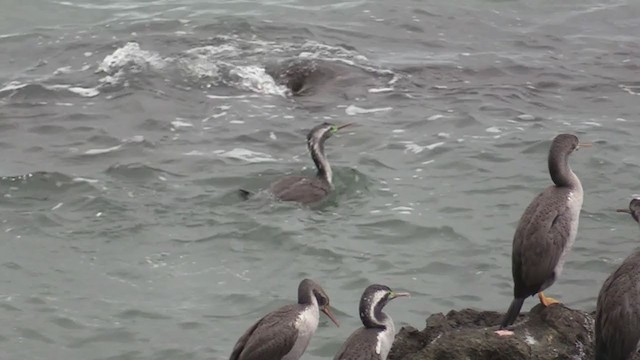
(372, 341)
(546, 230)
(285, 333)
(618, 311)
(310, 189)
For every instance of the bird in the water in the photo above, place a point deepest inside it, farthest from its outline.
(285, 333)
(372, 341)
(618, 310)
(304, 189)
(546, 231)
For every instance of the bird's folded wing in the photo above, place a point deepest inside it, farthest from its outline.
(268, 338)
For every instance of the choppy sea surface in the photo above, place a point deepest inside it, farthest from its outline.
(126, 128)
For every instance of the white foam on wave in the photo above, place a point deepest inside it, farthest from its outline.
(526, 117)
(13, 85)
(132, 56)
(102, 151)
(134, 139)
(212, 96)
(84, 5)
(82, 179)
(632, 90)
(354, 110)
(380, 90)
(63, 70)
(416, 149)
(211, 50)
(180, 123)
(255, 78)
(312, 49)
(220, 64)
(84, 92)
(245, 155)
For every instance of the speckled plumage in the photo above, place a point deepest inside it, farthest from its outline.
(617, 327)
(547, 229)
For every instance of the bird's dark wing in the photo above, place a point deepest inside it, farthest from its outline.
(271, 337)
(300, 189)
(618, 312)
(359, 346)
(539, 241)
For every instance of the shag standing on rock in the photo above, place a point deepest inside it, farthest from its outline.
(303, 189)
(374, 340)
(546, 231)
(285, 333)
(618, 310)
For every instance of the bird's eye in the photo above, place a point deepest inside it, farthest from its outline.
(334, 128)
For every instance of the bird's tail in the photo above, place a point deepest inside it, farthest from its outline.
(512, 313)
(244, 194)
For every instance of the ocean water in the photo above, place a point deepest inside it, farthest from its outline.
(126, 128)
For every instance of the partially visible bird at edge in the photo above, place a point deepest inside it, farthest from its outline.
(617, 327)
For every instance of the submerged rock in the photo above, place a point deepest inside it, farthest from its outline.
(555, 332)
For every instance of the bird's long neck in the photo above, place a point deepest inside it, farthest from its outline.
(316, 148)
(374, 317)
(560, 171)
(306, 297)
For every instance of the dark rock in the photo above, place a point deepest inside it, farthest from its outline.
(554, 332)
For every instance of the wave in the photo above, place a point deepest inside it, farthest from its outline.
(43, 188)
(16, 90)
(242, 60)
(139, 172)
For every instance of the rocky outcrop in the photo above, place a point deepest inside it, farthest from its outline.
(555, 332)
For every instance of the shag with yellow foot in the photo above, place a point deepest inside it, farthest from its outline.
(546, 231)
(547, 301)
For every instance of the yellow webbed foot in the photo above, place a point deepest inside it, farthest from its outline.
(546, 301)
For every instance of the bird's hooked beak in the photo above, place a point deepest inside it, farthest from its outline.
(344, 126)
(583, 145)
(327, 311)
(624, 211)
(394, 294)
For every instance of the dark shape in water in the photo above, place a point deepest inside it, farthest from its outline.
(374, 339)
(618, 311)
(304, 77)
(546, 231)
(285, 332)
(244, 194)
(302, 189)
